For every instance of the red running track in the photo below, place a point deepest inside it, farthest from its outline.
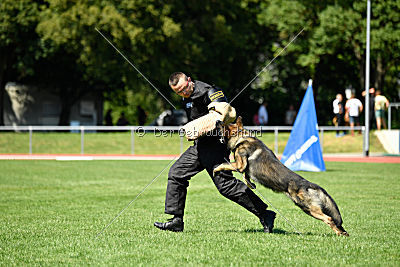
(374, 159)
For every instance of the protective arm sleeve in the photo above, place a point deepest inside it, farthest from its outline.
(218, 111)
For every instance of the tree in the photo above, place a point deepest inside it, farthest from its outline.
(19, 44)
(332, 50)
(54, 44)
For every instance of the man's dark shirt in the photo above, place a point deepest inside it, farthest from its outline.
(203, 94)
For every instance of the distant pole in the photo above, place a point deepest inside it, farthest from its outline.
(367, 107)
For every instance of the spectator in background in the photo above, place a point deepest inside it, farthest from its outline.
(381, 104)
(108, 118)
(371, 106)
(290, 115)
(255, 120)
(122, 120)
(338, 110)
(354, 107)
(263, 114)
(142, 115)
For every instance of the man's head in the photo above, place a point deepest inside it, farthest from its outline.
(339, 97)
(378, 92)
(181, 84)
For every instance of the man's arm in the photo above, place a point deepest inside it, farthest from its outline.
(219, 110)
(215, 94)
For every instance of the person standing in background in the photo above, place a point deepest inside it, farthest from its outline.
(142, 115)
(338, 110)
(371, 106)
(290, 115)
(354, 107)
(108, 118)
(381, 104)
(122, 120)
(263, 114)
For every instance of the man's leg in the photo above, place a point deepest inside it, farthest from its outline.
(341, 123)
(352, 125)
(179, 175)
(378, 123)
(383, 118)
(358, 123)
(213, 155)
(337, 123)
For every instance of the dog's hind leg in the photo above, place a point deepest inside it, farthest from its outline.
(297, 196)
(317, 213)
(247, 182)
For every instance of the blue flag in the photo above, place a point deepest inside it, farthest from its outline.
(303, 149)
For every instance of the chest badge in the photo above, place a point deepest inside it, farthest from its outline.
(189, 105)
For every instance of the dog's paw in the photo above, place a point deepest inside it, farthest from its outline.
(344, 234)
(217, 169)
(215, 172)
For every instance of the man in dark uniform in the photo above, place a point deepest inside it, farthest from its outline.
(207, 152)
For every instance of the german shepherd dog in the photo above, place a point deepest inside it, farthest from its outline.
(256, 161)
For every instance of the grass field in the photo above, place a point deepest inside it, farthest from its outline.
(152, 143)
(51, 212)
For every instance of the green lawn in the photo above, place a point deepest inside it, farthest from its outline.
(51, 212)
(153, 143)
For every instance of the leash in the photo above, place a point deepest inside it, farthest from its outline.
(265, 199)
(255, 77)
(133, 200)
(127, 60)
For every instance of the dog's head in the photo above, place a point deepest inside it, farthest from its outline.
(231, 130)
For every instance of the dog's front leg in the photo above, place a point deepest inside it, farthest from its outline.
(237, 166)
(224, 167)
(241, 160)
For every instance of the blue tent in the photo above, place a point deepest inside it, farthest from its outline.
(303, 150)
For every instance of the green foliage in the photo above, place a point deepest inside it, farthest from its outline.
(19, 44)
(331, 51)
(54, 44)
(52, 211)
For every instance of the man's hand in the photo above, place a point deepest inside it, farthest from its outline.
(227, 112)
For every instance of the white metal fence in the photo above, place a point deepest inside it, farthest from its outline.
(138, 130)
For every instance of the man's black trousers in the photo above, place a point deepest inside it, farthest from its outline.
(207, 153)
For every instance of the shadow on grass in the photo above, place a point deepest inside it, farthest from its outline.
(277, 231)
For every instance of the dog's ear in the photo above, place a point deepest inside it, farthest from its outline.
(239, 122)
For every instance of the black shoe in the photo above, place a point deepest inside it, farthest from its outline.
(174, 224)
(267, 220)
